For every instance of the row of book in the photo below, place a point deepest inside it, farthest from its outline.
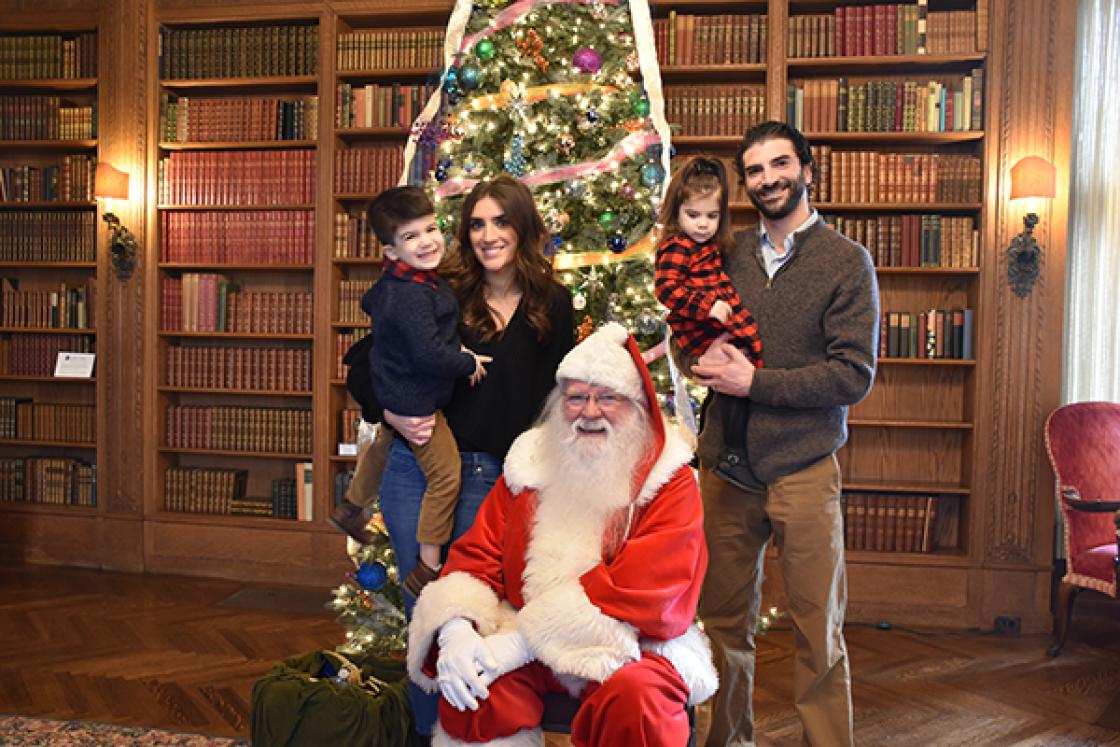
(914, 240)
(48, 56)
(349, 418)
(371, 169)
(374, 105)
(207, 120)
(70, 180)
(237, 178)
(954, 104)
(389, 49)
(239, 367)
(210, 302)
(869, 177)
(725, 39)
(238, 51)
(64, 306)
(223, 491)
(252, 237)
(343, 341)
(888, 29)
(36, 355)
(54, 480)
(47, 235)
(890, 523)
(353, 237)
(932, 334)
(24, 419)
(284, 430)
(350, 294)
(38, 117)
(714, 110)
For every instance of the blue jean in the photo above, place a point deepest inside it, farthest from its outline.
(402, 488)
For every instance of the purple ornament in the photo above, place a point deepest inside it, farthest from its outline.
(587, 60)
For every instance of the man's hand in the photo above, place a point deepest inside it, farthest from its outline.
(725, 368)
(462, 656)
(510, 651)
(416, 429)
(720, 311)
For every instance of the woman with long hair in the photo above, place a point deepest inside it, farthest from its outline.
(515, 311)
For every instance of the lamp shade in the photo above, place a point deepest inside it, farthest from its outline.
(1032, 177)
(109, 181)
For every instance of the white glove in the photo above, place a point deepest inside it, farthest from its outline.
(462, 656)
(509, 651)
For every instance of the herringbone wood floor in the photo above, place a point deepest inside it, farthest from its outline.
(179, 653)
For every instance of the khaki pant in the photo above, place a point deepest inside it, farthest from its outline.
(439, 461)
(802, 513)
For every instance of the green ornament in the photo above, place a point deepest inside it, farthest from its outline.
(485, 50)
(442, 223)
(641, 107)
(607, 219)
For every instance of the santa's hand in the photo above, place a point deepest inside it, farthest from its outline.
(462, 656)
(510, 651)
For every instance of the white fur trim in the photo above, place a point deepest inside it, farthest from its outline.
(455, 595)
(603, 359)
(571, 636)
(691, 655)
(522, 468)
(525, 738)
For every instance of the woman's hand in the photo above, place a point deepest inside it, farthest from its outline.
(725, 368)
(416, 429)
(479, 366)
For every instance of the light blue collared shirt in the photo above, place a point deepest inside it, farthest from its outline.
(773, 261)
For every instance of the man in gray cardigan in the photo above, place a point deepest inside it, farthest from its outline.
(816, 300)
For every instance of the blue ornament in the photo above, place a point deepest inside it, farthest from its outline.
(454, 98)
(371, 576)
(451, 81)
(441, 175)
(444, 163)
(617, 243)
(592, 116)
(469, 77)
(652, 174)
(557, 242)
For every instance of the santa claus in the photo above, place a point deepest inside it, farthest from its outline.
(581, 574)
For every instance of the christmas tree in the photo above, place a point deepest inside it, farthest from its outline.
(561, 96)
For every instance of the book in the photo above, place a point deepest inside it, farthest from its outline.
(306, 491)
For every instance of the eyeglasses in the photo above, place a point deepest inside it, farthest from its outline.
(605, 401)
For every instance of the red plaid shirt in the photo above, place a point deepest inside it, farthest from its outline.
(400, 270)
(689, 280)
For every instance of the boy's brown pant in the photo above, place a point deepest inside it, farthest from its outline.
(438, 460)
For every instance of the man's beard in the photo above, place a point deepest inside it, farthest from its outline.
(600, 467)
(796, 191)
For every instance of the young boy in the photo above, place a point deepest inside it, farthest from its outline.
(415, 357)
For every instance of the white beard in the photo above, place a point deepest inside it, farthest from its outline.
(586, 479)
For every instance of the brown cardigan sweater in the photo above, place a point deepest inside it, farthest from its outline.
(819, 322)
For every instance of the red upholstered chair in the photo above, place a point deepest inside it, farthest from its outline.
(1083, 441)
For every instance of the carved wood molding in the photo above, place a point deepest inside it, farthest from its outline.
(1025, 358)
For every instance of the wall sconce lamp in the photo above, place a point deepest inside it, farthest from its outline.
(112, 183)
(1030, 177)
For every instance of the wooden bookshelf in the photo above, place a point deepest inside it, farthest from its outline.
(238, 137)
(48, 222)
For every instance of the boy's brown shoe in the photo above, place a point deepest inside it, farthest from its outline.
(351, 519)
(422, 575)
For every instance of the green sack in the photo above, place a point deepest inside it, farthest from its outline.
(295, 704)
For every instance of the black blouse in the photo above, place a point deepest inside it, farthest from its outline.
(488, 417)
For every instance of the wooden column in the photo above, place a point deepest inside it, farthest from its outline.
(123, 306)
(1030, 97)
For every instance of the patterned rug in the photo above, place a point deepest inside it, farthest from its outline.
(24, 730)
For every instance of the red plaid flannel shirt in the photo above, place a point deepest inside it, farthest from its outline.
(402, 271)
(688, 282)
